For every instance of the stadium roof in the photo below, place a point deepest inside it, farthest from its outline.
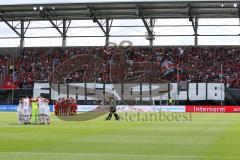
(122, 10)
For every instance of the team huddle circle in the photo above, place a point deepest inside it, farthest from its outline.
(33, 111)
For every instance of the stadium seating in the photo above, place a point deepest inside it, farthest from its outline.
(135, 64)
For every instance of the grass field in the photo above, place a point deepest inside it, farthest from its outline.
(206, 137)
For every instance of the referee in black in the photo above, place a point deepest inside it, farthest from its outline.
(113, 109)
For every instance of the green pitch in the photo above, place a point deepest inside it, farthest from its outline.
(206, 137)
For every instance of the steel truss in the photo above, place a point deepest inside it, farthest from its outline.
(103, 14)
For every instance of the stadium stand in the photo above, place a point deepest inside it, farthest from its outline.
(135, 64)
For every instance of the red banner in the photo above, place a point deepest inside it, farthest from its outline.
(213, 109)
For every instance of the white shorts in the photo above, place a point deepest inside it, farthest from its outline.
(47, 111)
(41, 110)
(19, 113)
(26, 111)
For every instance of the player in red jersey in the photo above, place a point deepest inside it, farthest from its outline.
(56, 107)
(73, 106)
(64, 107)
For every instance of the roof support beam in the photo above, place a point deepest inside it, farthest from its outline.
(100, 25)
(195, 29)
(194, 22)
(27, 27)
(146, 26)
(152, 23)
(65, 30)
(69, 23)
(55, 26)
(64, 34)
(149, 28)
(10, 26)
(108, 28)
(108, 25)
(22, 35)
(23, 32)
(16, 25)
(107, 33)
(95, 19)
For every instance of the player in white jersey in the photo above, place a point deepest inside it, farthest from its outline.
(46, 112)
(20, 112)
(26, 110)
(41, 103)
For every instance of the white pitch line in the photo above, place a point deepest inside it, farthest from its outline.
(125, 155)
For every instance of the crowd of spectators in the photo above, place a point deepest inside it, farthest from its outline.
(35, 65)
(3, 61)
(133, 64)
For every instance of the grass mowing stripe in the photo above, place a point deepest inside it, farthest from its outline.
(124, 155)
